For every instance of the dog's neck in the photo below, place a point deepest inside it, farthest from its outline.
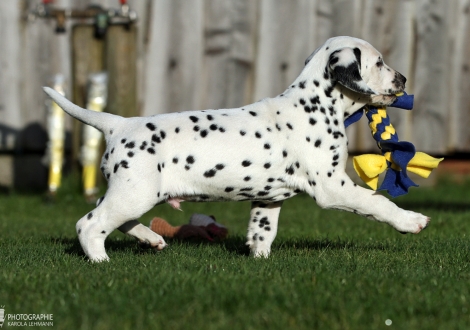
(314, 85)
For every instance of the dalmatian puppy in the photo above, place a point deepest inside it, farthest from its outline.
(264, 152)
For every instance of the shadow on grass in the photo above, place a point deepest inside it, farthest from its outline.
(235, 244)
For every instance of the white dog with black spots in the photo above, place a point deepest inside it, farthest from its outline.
(264, 152)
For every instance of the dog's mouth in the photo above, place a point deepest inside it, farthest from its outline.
(385, 99)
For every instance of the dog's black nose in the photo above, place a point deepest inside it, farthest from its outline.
(399, 80)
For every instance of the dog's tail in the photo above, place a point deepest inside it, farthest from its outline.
(102, 121)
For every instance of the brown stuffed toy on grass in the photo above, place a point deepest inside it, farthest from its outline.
(200, 226)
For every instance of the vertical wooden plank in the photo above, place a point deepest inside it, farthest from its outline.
(217, 37)
(184, 66)
(459, 82)
(156, 61)
(284, 42)
(432, 48)
(120, 59)
(10, 78)
(88, 57)
(241, 63)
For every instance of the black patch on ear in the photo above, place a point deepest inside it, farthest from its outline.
(357, 53)
(350, 75)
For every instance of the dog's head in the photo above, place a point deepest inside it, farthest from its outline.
(359, 67)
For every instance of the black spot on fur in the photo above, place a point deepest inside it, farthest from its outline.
(284, 153)
(124, 163)
(151, 151)
(267, 146)
(177, 130)
(267, 165)
(116, 166)
(106, 156)
(194, 119)
(271, 180)
(312, 121)
(302, 101)
(229, 189)
(246, 163)
(156, 138)
(196, 128)
(329, 90)
(290, 170)
(302, 84)
(289, 126)
(253, 113)
(220, 167)
(151, 126)
(242, 133)
(316, 83)
(247, 178)
(213, 127)
(123, 141)
(342, 182)
(258, 135)
(315, 100)
(204, 133)
(221, 130)
(130, 145)
(317, 143)
(175, 160)
(89, 216)
(209, 117)
(210, 173)
(190, 159)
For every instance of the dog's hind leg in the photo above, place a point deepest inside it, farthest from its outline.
(145, 236)
(114, 211)
(263, 227)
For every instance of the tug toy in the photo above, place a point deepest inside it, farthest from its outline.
(200, 226)
(397, 157)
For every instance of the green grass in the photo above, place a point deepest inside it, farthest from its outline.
(328, 269)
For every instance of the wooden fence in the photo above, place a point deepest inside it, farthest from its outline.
(198, 54)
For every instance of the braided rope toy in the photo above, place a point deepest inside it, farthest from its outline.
(397, 157)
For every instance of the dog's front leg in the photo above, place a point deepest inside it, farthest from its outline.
(263, 227)
(340, 192)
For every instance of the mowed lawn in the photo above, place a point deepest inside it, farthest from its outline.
(328, 269)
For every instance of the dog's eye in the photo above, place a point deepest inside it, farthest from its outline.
(380, 62)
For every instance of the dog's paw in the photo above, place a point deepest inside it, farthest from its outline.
(260, 253)
(157, 245)
(98, 258)
(412, 222)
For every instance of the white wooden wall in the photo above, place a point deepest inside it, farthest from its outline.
(197, 54)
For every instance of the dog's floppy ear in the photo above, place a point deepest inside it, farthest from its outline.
(345, 67)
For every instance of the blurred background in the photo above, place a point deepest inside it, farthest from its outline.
(161, 56)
